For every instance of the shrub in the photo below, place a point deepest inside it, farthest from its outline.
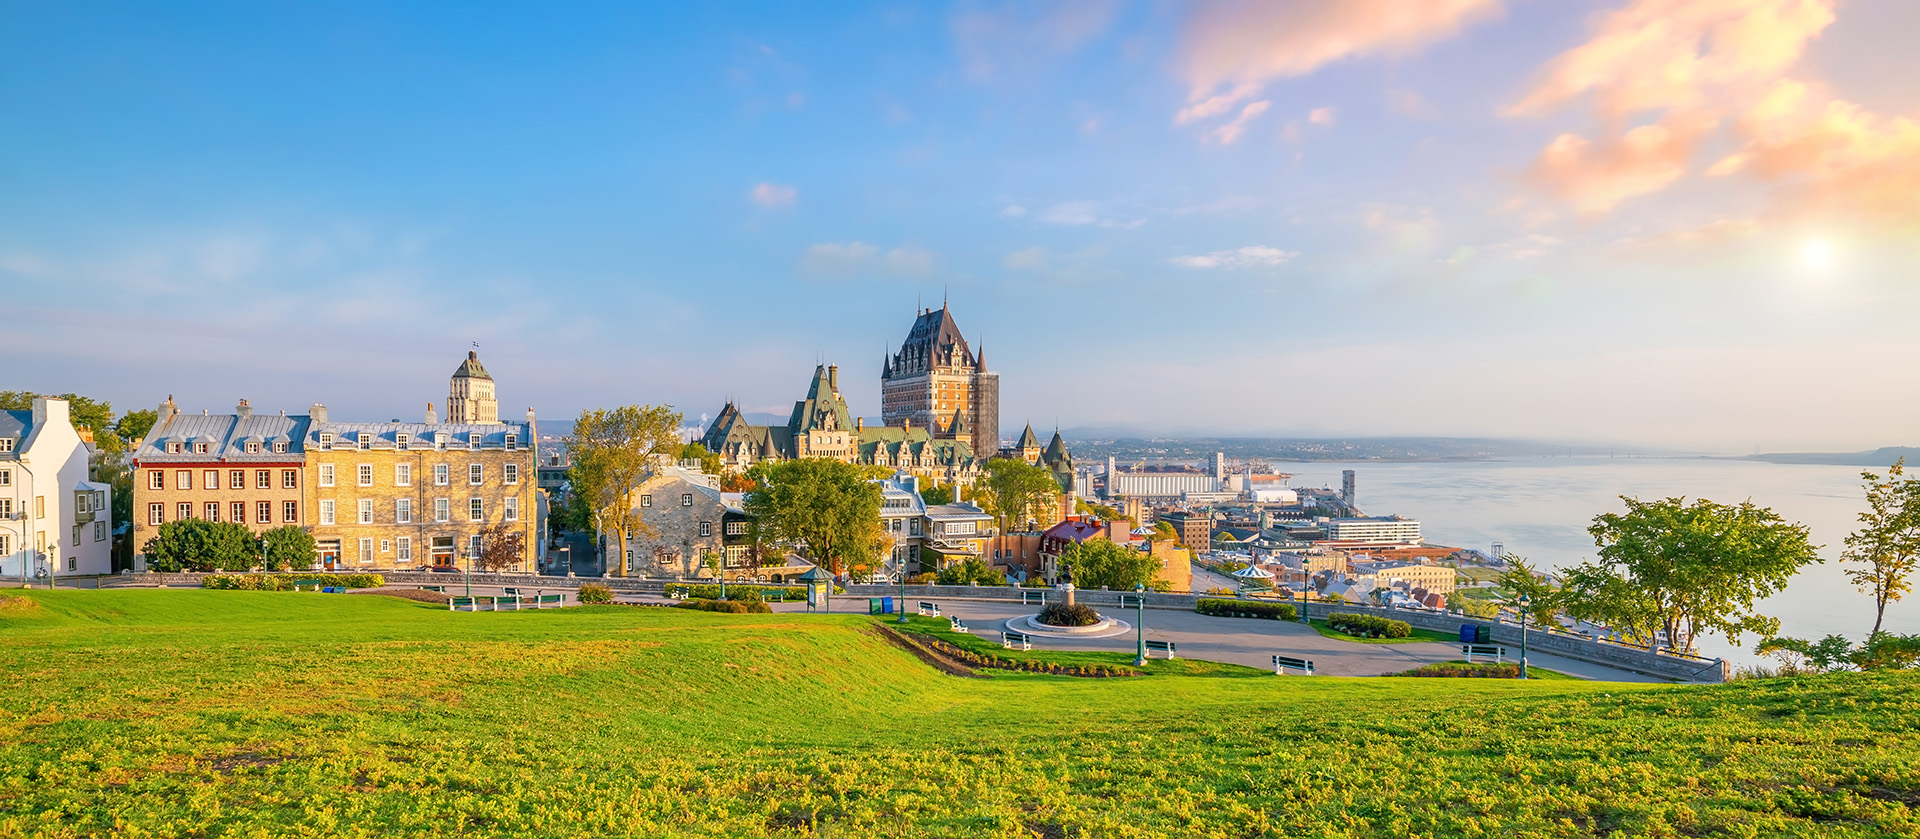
(1060, 614)
(1372, 626)
(285, 582)
(709, 591)
(594, 593)
(1463, 670)
(1246, 609)
(972, 570)
(923, 579)
(732, 607)
(288, 548)
(201, 545)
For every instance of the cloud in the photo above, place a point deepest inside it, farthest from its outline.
(996, 42)
(1081, 213)
(1013, 211)
(832, 259)
(1596, 177)
(1252, 256)
(1226, 134)
(1241, 45)
(771, 195)
(1320, 116)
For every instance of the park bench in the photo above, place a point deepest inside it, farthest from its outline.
(953, 623)
(511, 592)
(1132, 601)
(507, 603)
(1160, 647)
(434, 588)
(298, 585)
(1282, 662)
(1498, 653)
(1016, 641)
(931, 610)
(678, 595)
(463, 604)
(550, 601)
(1029, 598)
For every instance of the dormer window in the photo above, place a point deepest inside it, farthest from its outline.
(326, 440)
(200, 448)
(510, 442)
(400, 440)
(253, 448)
(440, 440)
(173, 448)
(6, 444)
(280, 447)
(366, 440)
(473, 441)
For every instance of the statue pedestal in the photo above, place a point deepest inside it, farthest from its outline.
(1066, 593)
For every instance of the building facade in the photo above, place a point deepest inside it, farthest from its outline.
(240, 467)
(821, 425)
(688, 525)
(53, 520)
(1195, 530)
(1379, 530)
(470, 397)
(936, 382)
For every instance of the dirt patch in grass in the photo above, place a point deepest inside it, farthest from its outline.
(927, 653)
(228, 764)
(13, 604)
(421, 595)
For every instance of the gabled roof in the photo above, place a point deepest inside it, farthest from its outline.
(821, 403)
(471, 369)
(1028, 440)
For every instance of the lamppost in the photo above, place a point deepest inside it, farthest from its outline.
(467, 554)
(900, 575)
(1524, 602)
(1140, 624)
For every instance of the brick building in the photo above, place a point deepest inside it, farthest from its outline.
(237, 467)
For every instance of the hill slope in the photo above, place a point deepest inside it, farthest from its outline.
(168, 713)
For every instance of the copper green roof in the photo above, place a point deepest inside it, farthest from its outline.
(471, 369)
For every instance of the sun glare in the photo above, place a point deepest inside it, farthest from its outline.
(1816, 255)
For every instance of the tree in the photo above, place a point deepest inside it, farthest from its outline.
(1472, 607)
(287, 548)
(1098, 562)
(134, 425)
(937, 494)
(201, 545)
(1014, 491)
(828, 506)
(971, 570)
(1881, 651)
(613, 453)
(709, 461)
(1521, 580)
(502, 546)
(1687, 569)
(737, 482)
(1887, 545)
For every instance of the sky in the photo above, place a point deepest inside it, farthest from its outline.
(1688, 223)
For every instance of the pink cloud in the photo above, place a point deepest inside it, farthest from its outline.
(771, 195)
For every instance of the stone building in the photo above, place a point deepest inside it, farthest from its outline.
(688, 521)
(821, 425)
(470, 398)
(1194, 529)
(238, 467)
(936, 382)
(53, 519)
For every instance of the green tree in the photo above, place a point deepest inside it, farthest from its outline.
(1687, 569)
(201, 545)
(937, 493)
(287, 548)
(709, 461)
(1014, 492)
(1098, 562)
(1520, 579)
(828, 506)
(1881, 651)
(613, 452)
(1472, 607)
(134, 425)
(971, 570)
(1882, 554)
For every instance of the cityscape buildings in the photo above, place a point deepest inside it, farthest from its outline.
(54, 520)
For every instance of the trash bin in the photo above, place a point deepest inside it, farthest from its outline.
(1483, 634)
(886, 605)
(873, 606)
(1469, 634)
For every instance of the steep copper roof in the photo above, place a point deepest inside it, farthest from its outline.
(934, 341)
(471, 369)
(1027, 440)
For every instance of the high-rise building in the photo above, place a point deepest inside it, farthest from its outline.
(470, 399)
(936, 382)
(1346, 487)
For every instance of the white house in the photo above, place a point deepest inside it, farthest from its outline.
(51, 517)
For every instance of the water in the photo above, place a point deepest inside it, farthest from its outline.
(1540, 509)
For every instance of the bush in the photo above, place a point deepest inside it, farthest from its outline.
(922, 579)
(594, 593)
(1371, 626)
(201, 545)
(1060, 614)
(973, 570)
(285, 582)
(732, 607)
(709, 591)
(1246, 609)
(1463, 670)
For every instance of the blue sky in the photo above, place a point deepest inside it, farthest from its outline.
(1681, 222)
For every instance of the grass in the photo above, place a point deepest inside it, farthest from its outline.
(1419, 636)
(254, 714)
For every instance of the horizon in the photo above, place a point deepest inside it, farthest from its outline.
(1477, 219)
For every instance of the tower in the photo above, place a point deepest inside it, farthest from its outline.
(1346, 488)
(470, 397)
(936, 375)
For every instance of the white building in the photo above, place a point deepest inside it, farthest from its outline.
(52, 519)
(1375, 529)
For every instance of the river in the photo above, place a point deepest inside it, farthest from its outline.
(1540, 509)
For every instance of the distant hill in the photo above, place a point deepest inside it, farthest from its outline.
(1880, 457)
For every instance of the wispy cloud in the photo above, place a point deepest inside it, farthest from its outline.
(1251, 256)
(1081, 213)
(1226, 134)
(772, 195)
(839, 261)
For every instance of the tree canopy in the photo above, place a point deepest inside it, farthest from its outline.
(826, 505)
(1098, 562)
(1686, 569)
(613, 452)
(971, 570)
(201, 545)
(1881, 555)
(1015, 492)
(287, 548)
(1521, 580)
(709, 461)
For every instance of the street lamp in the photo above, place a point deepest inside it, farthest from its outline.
(1524, 602)
(467, 554)
(900, 575)
(1140, 624)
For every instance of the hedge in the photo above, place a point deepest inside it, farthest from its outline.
(594, 593)
(1220, 608)
(736, 607)
(709, 591)
(284, 582)
(1369, 625)
(1061, 614)
(1463, 670)
(1026, 665)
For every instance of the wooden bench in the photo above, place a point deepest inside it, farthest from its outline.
(927, 609)
(954, 624)
(463, 604)
(1282, 662)
(1132, 601)
(510, 592)
(507, 603)
(550, 601)
(441, 589)
(1498, 653)
(1029, 598)
(677, 595)
(1167, 647)
(1016, 641)
(299, 585)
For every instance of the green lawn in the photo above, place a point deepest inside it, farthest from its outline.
(213, 714)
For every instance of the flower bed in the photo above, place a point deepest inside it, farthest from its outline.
(1061, 614)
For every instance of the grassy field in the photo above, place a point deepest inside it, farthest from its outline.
(189, 713)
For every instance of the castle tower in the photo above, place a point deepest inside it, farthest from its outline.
(935, 375)
(1028, 448)
(470, 398)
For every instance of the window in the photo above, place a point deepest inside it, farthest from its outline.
(512, 509)
(440, 474)
(182, 511)
(263, 479)
(326, 441)
(280, 447)
(473, 441)
(210, 479)
(366, 511)
(39, 506)
(473, 545)
(365, 439)
(739, 528)
(253, 448)
(213, 510)
(403, 474)
(386, 546)
(80, 502)
(326, 474)
(72, 563)
(326, 511)
(6, 546)
(440, 440)
(76, 540)
(366, 551)
(475, 474)
(290, 512)
(403, 549)
(237, 479)
(239, 511)
(263, 512)
(474, 511)
(512, 473)
(511, 438)
(6, 444)
(156, 514)
(6, 508)
(403, 510)
(686, 499)
(289, 479)
(366, 474)
(400, 440)
(706, 528)
(646, 500)
(173, 448)
(200, 448)
(6, 478)
(442, 509)
(183, 480)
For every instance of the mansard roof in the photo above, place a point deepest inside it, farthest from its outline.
(934, 339)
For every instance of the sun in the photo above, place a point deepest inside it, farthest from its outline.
(1816, 255)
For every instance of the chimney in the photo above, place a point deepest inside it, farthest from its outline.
(318, 412)
(432, 418)
(472, 355)
(164, 412)
(859, 423)
(833, 377)
(243, 410)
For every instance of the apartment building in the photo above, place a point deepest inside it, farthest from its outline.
(238, 467)
(53, 520)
